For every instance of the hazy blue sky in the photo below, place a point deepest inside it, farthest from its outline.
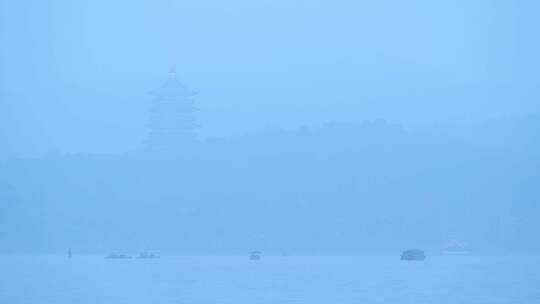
(74, 75)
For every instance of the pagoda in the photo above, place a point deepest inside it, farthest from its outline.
(173, 120)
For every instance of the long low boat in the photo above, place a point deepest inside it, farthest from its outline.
(118, 256)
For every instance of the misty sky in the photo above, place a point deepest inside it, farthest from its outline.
(75, 75)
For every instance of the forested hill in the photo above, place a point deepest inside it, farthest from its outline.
(334, 189)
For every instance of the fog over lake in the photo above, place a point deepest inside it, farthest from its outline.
(264, 151)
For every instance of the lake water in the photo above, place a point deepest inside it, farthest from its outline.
(235, 279)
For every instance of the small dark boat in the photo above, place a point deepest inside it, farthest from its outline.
(255, 255)
(413, 255)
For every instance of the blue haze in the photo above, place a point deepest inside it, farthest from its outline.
(89, 64)
(325, 129)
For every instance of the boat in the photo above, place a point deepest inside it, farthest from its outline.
(413, 255)
(255, 255)
(118, 256)
(148, 255)
(455, 247)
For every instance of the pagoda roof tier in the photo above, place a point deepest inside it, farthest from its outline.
(188, 108)
(172, 89)
(173, 126)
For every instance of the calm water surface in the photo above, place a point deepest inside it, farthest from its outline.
(235, 279)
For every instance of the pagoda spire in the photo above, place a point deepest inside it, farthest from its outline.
(172, 73)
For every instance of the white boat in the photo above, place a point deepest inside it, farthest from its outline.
(455, 247)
